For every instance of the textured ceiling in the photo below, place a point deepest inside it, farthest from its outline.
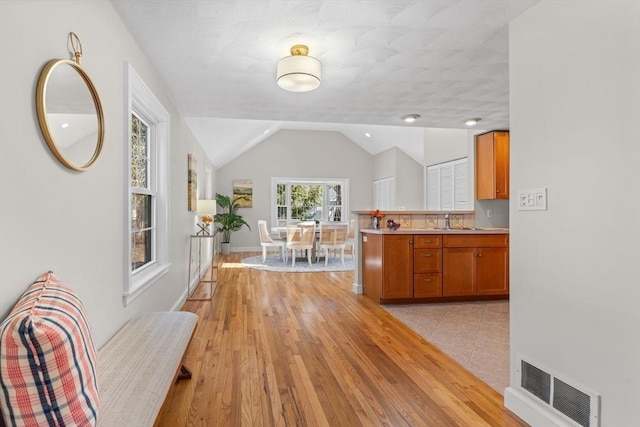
(446, 60)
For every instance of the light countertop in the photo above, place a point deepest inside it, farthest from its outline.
(385, 230)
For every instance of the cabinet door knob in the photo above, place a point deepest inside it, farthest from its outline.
(411, 242)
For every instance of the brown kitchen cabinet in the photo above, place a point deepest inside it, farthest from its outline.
(427, 266)
(475, 265)
(387, 266)
(492, 165)
(398, 268)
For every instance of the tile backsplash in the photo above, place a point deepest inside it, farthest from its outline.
(421, 220)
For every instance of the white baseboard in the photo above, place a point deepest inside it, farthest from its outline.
(533, 413)
(180, 302)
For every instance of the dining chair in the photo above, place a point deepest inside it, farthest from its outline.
(301, 236)
(351, 237)
(267, 242)
(332, 238)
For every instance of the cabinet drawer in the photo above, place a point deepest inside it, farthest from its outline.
(427, 241)
(476, 241)
(427, 285)
(427, 260)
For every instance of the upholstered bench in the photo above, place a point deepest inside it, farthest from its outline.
(50, 373)
(138, 365)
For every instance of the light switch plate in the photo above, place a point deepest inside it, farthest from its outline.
(534, 199)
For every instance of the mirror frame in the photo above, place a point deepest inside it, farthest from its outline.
(41, 96)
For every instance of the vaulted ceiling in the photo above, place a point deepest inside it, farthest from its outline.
(446, 60)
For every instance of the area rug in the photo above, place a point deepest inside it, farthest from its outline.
(274, 263)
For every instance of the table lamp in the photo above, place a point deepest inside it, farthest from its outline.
(206, 209)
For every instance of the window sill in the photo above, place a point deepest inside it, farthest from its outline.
(142, 280)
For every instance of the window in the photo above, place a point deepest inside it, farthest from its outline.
(448, 186)
(309, 199)
(147, 188)
(384, 193)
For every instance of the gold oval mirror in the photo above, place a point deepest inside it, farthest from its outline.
(70, 113)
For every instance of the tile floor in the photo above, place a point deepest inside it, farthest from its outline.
(475, 334)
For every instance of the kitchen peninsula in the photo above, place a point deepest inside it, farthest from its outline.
(411, 265)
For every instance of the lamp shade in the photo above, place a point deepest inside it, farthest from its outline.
(299, 72)
(206, 207)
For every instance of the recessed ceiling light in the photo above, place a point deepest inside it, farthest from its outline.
(472, 122)
(410, 118)
(265, 132)
(367, 134)
(64, 125)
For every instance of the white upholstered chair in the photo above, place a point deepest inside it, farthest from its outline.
(267, 242)
(301, 236)
(332, 238)
(351, 237)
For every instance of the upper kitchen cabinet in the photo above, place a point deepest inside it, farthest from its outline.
(492, 165)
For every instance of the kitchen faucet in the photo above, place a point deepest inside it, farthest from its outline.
(447, 222)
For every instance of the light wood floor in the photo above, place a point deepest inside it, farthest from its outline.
(301, 349)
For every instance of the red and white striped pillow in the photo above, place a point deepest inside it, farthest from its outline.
(48, 368)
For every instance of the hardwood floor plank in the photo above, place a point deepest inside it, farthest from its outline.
(301, 349)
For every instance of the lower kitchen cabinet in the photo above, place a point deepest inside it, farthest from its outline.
(475, 265)
(397, 267)
(387, 266)
(427, 285)
(406, 268)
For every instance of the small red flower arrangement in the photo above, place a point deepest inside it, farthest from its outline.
(376, 214)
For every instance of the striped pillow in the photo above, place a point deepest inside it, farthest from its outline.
(48, 368)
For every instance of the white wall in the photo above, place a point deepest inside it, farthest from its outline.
(295, 154)
(443, 145)
(407, 174)
(409, 182)
(575, 268)
(72, 223)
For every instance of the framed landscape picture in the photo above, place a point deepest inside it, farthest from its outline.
(192, 183)
(243, 192)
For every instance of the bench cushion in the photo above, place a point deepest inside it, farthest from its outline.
(139, 364)
(48, 364)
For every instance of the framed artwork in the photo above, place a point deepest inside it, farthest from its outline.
(192, 183)
(243, 192)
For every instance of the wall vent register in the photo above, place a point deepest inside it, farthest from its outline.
(579, 406)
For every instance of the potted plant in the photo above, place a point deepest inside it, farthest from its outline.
(228, 221)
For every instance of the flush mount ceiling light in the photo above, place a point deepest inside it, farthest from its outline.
(299, 72)
(472, 122)
(410, 118)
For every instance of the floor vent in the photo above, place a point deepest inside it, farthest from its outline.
(578, 405)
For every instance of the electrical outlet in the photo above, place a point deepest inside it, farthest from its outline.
(489, 213)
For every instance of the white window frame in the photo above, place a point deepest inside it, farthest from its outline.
(344, 182)
(456, 191)
(142, 103)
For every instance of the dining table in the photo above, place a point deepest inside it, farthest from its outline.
(280, 232)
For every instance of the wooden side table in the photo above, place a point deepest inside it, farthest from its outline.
(198, 238)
